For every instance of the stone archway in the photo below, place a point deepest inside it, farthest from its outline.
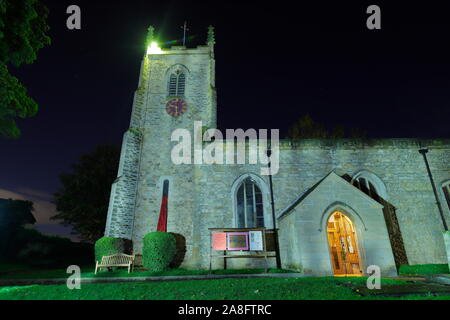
(343, 245)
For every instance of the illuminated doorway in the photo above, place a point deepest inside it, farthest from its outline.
(344, 251)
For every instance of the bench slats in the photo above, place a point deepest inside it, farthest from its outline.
(116, 260)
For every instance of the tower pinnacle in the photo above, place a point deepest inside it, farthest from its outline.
(150, 35)
(211, 38)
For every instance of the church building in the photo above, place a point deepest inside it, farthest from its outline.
(341, 205)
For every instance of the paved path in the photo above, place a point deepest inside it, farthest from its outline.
(24, 282)
(408, 278)
(439, 278)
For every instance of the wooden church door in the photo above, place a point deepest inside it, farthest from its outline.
(342, 241)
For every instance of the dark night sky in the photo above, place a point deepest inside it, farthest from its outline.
(275, 62)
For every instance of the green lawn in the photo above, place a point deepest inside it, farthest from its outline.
(421, 269)
(11, 267)
(88, 272)
(325, 288)
(17, 271)
(328, 288)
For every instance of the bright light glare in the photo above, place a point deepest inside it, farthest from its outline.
(154, 49)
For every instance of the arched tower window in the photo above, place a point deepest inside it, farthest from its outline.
(177, 83)
(446, 190)
(249, 200)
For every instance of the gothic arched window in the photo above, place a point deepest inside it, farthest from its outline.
(367, 187)
(446, 190)
(370, 184)
(177, 83)
(249, 200)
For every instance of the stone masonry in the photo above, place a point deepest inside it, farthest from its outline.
(204, 196)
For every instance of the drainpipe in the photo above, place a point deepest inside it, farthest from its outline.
(275, 235)
(438, 203)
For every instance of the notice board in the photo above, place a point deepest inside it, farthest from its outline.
(219, 241)
(237, 241)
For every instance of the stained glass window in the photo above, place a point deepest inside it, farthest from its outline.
(250, 212)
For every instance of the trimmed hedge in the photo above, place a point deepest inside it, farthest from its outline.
(423, 269)
(107, 246)
(158, 251)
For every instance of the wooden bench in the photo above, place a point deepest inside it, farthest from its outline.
(116, 260)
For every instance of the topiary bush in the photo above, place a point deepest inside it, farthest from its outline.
(107, 246)
(158, 251)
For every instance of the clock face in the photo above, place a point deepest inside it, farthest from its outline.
(176, 107)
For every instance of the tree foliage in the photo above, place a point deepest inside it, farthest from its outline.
(16, 212)
(83, 200)
(306, 128)
(13, 215)
(23, 32)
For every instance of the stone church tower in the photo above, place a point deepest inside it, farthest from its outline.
(176, 87)
(341, 204)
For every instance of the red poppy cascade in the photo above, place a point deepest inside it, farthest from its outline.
(176, 107)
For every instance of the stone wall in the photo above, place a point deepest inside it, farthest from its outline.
(155, 164)
(202, 196)
(396, 162)
(121, 208)
(123, 191)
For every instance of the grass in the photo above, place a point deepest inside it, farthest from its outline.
(325, 288)
(235, 289)
(61, 273)
(11, 267)
(420, 269)
(18, 271)
(27, 272)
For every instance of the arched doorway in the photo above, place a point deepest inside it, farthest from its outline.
(343, 244)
